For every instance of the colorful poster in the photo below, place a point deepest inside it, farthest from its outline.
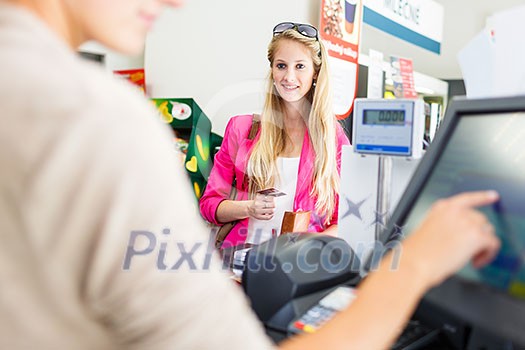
(134, 76)
(340, 31)
(403, 77)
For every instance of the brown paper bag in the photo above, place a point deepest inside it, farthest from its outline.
(295, 221)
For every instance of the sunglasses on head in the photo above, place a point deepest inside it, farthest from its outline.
(304, 29)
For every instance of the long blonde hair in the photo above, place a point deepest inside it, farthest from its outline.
(321, 124)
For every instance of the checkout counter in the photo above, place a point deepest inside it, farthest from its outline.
(308, 277)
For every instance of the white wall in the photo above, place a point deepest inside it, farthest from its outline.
(215, 52)
(463, 20)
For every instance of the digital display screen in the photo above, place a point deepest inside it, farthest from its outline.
(384, 117)
(493, 159)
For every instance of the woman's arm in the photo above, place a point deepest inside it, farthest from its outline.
(216, 205)
(230, 210)
(261, 208)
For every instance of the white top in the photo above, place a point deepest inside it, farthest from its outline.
(85, 162)
(262, 230)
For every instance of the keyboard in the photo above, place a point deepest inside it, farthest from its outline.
(323, 311)
(415, 336)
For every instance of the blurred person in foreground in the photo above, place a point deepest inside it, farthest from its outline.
(88, 173)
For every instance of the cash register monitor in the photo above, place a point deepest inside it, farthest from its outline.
(480, 146)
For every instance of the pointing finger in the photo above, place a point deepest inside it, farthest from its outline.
(475, 199)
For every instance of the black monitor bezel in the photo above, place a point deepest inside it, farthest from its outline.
(458, 296)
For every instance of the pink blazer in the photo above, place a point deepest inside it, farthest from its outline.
(231, 161)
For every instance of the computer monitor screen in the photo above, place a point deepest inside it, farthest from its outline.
(480, 147)
(486, 152)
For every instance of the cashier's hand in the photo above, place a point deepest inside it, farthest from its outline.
(452, 234)
(262, 207)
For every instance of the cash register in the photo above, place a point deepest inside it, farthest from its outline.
(480, 146)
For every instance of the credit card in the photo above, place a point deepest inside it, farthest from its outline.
(271, 192)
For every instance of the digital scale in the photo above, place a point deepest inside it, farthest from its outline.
(389, 127)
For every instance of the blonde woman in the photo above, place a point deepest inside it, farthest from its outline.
(297, 149)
